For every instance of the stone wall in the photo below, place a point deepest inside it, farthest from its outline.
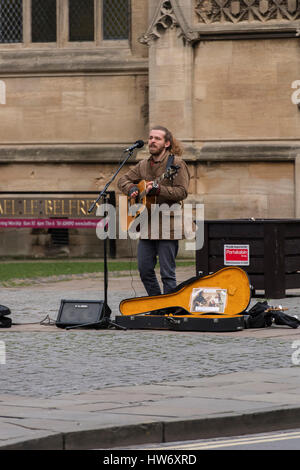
(219, 80)
(245, 190)
(242, 90)
(73, 109)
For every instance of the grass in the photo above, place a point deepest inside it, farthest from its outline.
(38, 269)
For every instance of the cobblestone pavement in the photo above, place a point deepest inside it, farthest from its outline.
(45, 361)
(91, 389)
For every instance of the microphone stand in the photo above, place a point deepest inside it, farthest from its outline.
(106, 322)
(104, 191)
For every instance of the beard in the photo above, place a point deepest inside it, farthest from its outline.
(156, 150)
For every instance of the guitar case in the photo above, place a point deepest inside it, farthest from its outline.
(209, 303)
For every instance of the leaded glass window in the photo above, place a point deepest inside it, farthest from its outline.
(11, 19)
(43, 20)
(116, 15)
(64, 21)
(81, 20)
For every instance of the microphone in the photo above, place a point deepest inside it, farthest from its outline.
(138, 144)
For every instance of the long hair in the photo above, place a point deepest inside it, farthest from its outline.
(175, 146)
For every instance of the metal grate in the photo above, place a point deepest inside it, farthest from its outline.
(81, 20)
(116, 19)
(43, 20)
(11, 21)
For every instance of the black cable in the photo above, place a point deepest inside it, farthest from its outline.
(42, 322)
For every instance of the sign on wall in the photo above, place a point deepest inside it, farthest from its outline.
(45, 207)
(47, 212)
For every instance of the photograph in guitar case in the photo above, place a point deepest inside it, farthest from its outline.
(208, 300)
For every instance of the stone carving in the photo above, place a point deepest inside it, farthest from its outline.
(263, 16)
(168, 15)
(238, 11)
(165, 18)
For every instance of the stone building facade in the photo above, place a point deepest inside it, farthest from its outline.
(221, 74)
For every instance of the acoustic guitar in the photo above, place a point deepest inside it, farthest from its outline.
(226, 292)
(143, 200)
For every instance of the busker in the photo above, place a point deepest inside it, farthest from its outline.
(165, 151)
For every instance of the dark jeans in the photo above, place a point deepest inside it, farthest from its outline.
(148, 252)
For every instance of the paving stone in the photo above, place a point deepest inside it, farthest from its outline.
(88, 389)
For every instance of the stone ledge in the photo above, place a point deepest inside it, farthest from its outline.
(247, 151)
(250, 30)
(114, 153)
(102, 61)
(80, 153)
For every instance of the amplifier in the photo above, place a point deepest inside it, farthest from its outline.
(74, 313)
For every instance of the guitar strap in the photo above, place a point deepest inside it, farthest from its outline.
(170, 161)
(169, 164)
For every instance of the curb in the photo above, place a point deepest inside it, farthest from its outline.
(162, 432)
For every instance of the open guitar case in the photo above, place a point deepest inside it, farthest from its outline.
(230, 283)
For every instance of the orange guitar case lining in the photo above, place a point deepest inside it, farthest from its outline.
(209, 303)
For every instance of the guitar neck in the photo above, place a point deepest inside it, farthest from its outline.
(160, 178)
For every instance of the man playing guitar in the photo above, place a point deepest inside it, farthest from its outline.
(162, 146)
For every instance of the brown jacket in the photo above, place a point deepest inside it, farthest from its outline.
(172, 191)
